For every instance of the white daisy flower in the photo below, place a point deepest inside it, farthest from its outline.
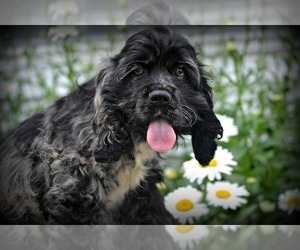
(187, 235)
(61, 32)
(194, 171)
(229, 128)
(289, 201)
(184, 204)
(61, 9)
(226, 195)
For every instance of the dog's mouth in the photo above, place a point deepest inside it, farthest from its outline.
(161, 136)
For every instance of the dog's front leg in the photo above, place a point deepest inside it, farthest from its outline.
(144, 206)
(72, 207)
(74, 196)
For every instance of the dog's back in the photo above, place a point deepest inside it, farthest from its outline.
(28, 153)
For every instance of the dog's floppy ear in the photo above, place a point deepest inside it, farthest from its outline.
(112, 137)
(207, 129)
(204, 136)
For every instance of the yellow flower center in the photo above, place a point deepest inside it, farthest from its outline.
(213, 163)
(184, 205)
(223, 194)
(293, 202)
(184, 228)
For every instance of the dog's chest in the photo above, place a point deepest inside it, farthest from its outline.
(130, 176)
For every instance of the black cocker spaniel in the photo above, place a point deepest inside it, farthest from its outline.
(94, 154)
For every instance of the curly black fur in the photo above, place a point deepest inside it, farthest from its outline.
(86, 158)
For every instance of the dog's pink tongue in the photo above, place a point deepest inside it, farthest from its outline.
(161, 136)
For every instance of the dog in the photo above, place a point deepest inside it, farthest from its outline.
(93, 157)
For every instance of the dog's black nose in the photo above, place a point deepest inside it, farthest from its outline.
(160, 96)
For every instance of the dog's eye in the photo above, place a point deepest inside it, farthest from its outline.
(138, 70)
(179, 72)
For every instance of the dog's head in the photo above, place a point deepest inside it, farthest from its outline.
(156, 90)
